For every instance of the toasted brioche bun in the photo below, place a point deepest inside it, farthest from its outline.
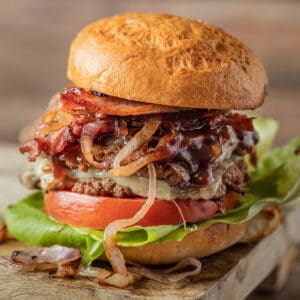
(263, 224)
(167, 60)
(197, 244)
(206, 242)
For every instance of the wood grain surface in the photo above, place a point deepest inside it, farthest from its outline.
(231, 274)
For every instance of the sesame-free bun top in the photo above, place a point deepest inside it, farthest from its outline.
(168, 60)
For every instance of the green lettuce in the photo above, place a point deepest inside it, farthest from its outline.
(266, 129)
(27, 222)
(275, 181)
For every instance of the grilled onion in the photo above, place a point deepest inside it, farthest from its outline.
(167, 147)
(63, 261)
(141, 137)
(178, 279)
(88, 134)
(112, 251)
(92, 272)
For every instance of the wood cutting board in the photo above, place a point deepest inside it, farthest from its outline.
(231, 274)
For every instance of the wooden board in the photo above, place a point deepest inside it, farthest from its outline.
(232, 274)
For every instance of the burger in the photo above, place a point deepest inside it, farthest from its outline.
(146, 157)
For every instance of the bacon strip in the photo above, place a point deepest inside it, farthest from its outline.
(78, 99)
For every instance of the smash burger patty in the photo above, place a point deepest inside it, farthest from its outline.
(147, 134)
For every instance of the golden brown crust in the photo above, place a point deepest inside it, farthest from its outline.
(263, 224)
(205, 242)
(167, 60)
(197, 244)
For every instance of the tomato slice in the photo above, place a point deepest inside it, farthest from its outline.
(97, 212)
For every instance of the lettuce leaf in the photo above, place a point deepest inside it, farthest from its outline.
(275, 159)
(275, 181)
(27, 222)
(266, 129)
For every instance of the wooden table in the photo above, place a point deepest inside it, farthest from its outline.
(232, 274)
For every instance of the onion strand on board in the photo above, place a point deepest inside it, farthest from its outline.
(112, 251)
(92, 272)
(177, 279)
(142, 136)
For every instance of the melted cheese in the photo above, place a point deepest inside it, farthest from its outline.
(139, 186)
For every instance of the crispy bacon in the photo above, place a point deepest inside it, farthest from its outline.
(33, 148)
(79, 99)
(59, 170)
(60, 139)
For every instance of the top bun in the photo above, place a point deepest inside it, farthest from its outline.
(167, 60)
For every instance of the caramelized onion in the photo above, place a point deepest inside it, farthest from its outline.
(88, 134)
(92, 272)
(63, 261)
(112, 251)
(178, 279)
(186, 262)
(54, 118)
(141, 137)
(54, 254)
(167, 147)
(118, 280)
(55, 121)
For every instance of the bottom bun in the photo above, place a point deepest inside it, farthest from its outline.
(263, 224)
(201, 243)
(197, 244)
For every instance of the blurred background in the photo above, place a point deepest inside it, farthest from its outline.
(35, 36)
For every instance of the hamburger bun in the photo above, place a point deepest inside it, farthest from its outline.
(263, 224)
(201, 243)
(168, 60)
(197, 244)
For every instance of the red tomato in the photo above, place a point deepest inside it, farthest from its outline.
(97, 211)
